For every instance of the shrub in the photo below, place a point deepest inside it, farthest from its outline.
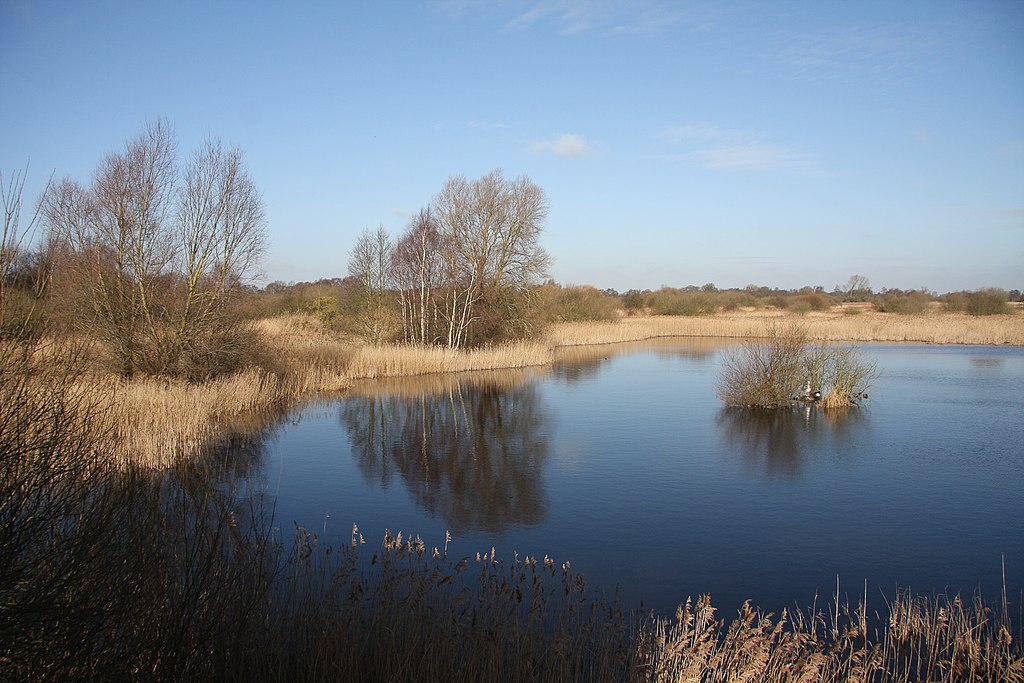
(671, 301)
(912, 303)
(574, 304)
(731, 300)
(989, 301)
(816, 301)
(633, 302)
(773, 371)
(324, 308)
(764, 372)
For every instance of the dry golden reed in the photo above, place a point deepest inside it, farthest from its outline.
(868, 326)
(157, 421)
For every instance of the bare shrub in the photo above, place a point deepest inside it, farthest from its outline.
(764, 372)
(783, 366)
(990, 301)
(848, 377)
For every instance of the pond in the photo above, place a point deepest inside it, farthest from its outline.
(622, 460)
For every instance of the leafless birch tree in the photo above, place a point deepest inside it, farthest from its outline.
(371, 264)
(417, 271)
(491, 232)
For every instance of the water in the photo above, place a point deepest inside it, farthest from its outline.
(623, 461)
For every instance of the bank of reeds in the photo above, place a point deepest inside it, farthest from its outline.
(834, 325)
(159, 421)
(408, 360)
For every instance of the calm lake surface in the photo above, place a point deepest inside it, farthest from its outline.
(622, 460)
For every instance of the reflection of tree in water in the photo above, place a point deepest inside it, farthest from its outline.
(578, 370)
(472, 455)
(782, 438)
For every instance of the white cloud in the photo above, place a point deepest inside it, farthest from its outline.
(565, 145)
(715, 147)
(750, 157)
(572, 17)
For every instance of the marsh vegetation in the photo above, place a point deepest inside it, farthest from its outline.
(132, 339)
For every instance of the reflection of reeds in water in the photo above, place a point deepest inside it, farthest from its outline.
(417, 386)
(696, 347)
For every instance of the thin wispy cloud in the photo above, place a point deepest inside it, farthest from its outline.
(750, 157)
(486, 125)
(565, 145)
(570, 17)
(574, 17)
(719, 148)
(886, 52)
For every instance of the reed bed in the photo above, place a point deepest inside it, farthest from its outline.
(835, 325)
(370, 362)
(156, 421)
(417, 613)
(310, 358)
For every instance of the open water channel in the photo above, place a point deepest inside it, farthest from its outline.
(622, 460)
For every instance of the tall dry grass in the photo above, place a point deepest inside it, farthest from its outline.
(371, 362)
(157, 422)
(867, 326)
(414, 612)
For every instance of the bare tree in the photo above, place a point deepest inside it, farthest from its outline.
(858, 288)
(490, 229)
(221, 221)
(158, 257)
(417, 271)
(14, 240)
(371, 264)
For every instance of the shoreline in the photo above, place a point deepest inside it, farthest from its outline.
(160, 422)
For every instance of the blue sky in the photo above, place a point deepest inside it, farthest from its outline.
(777, 143)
